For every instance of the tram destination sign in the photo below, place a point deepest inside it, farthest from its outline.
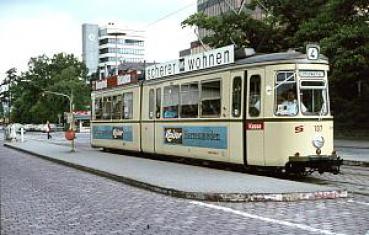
(207, 59)
(311, 73)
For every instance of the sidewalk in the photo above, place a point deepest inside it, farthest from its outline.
(353, 152)
(179, 180)
(357, 144)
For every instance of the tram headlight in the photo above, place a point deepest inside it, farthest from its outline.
(318, 141)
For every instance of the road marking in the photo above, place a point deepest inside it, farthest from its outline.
(274, 221)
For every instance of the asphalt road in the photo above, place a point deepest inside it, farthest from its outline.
(41, 197)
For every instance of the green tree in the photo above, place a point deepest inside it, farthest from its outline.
(2, 110)
(275, 32)
(342, 29)
(339, 26)
(8, 94)
(62, 73)
(231, 28)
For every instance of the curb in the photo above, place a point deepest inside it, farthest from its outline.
(216, 197)
(351, 147)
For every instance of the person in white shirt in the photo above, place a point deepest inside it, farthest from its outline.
(290, 106)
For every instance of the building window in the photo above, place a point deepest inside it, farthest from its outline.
(128, 105)
(104, 50)
(254, 96)
(236, 96)
(210, 99)
(117, 107)
(151, 103)
(107, 108)
(158, 102)
(189, 100)
(103, 32)
(171, 101)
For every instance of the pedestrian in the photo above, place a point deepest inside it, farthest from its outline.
(48, 129)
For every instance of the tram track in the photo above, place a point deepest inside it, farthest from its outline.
(353, 179)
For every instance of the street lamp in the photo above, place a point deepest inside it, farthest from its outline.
(70, 98)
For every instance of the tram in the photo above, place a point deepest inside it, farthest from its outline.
(267, 111)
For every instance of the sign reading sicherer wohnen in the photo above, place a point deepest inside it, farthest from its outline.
(207, 59)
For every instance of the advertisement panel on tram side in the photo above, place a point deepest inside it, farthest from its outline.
(106, 132)
(200, 136)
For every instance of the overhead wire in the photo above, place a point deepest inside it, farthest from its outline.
(170, 14)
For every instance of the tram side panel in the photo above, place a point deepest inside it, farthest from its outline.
(202, 140)
(236, 142)
(123, 134)
(203, 137)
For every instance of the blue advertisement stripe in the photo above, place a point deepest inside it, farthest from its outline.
(124, 133)
(203, 136)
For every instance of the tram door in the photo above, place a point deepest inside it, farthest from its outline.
(254, 125)
(148, 127)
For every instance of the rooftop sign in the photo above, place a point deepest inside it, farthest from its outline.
(208, 59)
(312, 51)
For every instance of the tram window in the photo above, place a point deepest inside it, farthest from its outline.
(312, 84)
(190, 100)
(117, 107)
(285, 94)
(98, 108)
(236, 97)
(128, 105)
(313, 98)
(107, 107)
(254, 96)
(151, 103)
(210, 99)
(171, 101)
(158, 102)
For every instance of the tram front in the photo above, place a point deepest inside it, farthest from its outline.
(298, 136)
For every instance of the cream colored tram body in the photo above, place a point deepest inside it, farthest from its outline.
(267, 111)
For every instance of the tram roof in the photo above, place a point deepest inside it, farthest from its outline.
(256, 59)
(282, 56)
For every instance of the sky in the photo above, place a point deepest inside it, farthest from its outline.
(30, 28)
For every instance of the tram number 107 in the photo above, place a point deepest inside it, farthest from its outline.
(318, 128)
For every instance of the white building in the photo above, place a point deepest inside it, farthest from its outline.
(105, 47)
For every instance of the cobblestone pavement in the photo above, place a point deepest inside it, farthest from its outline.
(40, 197)
(353, 178)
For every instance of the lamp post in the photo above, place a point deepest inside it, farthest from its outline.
(71, 125)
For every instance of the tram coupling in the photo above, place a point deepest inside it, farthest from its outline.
(308, 164)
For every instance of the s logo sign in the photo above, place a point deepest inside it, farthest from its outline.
(299, 129)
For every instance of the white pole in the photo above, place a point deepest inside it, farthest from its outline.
(13, 133)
